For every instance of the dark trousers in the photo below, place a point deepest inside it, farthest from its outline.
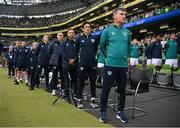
(38, 71)
(10, 69)
(72, 71)
(91, 72)
(31, 75)
(55, 70)
(110, 76)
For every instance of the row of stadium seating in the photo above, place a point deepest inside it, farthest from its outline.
(26, 22)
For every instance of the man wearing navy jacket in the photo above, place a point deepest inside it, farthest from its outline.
(22, 63)
(9, 58)
(15, 57)
(69, 61)
(42, 61)
(32, 63)
(54, 52)
(86, 49)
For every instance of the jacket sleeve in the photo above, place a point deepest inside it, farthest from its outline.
(50, 49)
(129, 44)
(77, 47)
(63, 51)
(103, 41)
(96, 45)
(38, 50)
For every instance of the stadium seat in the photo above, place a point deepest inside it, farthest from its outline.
(163, 76)
(176, 78)
(139, 66)
(143, 77)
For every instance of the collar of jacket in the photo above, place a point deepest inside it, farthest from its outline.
(57, 41)
(117, 26)
(45, 43)
(87, 36)
(69, 40)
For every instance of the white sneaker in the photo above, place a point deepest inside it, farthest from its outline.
(53, 92)
(93, 103)
(79, 104)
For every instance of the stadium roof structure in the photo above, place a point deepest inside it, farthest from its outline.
(24, 2)
(31, 2)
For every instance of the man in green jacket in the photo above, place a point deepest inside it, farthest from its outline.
(117, 40)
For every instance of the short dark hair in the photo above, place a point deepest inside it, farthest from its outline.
(118, 9)
(70, 30)
(86, 22)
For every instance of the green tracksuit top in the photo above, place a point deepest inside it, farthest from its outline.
(171, 49)
(117, 42)
(134, 51)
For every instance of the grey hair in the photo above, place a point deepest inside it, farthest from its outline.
(118, 9)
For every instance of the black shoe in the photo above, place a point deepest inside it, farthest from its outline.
(93, 103)
(16, 83)
(27, 84)
(21, 81)
(80, 104)
(15, 80)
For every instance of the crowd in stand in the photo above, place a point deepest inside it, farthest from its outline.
(46, 21)
(27, 22)
(157, 11)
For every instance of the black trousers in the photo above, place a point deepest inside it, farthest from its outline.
(72, 71)
(110, 76)
(31, 74)
(38, 71)
(10, 69)
(83, 72)
(55, 70)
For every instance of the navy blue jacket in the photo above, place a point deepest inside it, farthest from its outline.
(9, 57)
(42, 54)
(23, 56)
(148, 51)
(54, 53)
(32, 58)
(68, 52)
(157, 50)
(86, 48)
(15, 55)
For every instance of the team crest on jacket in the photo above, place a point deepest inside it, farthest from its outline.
(109, 73)
(92, 40)
(26, 50)
(67, 44)
(81, 68)
(113, 33)
(82, 41)
(42, 46)
(124, 34)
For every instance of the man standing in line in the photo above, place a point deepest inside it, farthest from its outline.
(42, 61)
(69, 62)
(118, 42)
(54, 52)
